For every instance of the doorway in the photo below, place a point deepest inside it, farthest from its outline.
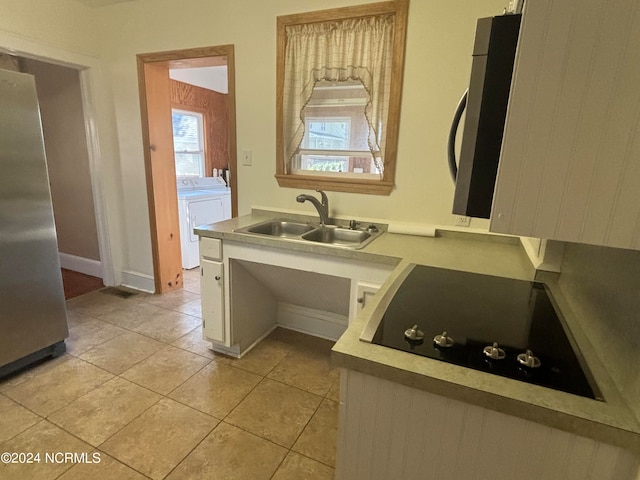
(154, 84)
(63, 118)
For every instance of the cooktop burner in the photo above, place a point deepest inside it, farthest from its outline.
(493, 324)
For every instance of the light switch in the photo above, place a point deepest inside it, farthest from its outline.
(246, 157)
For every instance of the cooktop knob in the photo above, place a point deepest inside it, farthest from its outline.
(528, 359)
(414, 333)
(443, 340)
(494, 352)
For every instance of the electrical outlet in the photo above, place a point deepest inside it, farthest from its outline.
(462, 221)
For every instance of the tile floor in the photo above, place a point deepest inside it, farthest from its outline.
(139, 388)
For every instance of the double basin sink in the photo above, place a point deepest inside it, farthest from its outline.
(354, 238)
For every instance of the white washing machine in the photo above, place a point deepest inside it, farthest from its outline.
(200, 201)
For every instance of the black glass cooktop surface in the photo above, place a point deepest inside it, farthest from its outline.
(493, 324)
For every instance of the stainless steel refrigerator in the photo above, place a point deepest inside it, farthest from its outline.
(33, 319)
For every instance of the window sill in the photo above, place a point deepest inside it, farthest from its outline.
(349, 185)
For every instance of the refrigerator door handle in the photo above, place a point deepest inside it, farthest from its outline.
(451, 144)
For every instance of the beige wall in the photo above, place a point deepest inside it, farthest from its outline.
(67, 157)
(65, 24)
(438, 61)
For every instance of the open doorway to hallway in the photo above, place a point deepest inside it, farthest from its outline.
(63, 124)
(160, 95)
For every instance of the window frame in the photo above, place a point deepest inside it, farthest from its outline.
(202, 137)
(346, 183)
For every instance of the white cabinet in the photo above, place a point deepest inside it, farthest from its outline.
(212, 282)
(389, 431)
(247, 290)
(570, 163)
(361, 293)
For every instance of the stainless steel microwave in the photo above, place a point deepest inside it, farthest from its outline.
(486, 104)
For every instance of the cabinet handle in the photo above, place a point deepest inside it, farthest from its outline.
(360, 300)
(217, 277)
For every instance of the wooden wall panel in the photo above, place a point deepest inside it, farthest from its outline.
(215, 108)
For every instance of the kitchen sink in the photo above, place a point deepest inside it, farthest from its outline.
(337, 236)
(280, 228)
(330, 235)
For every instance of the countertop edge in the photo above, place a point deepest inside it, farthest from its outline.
(611, 422)
(613, 435)
(225, 230)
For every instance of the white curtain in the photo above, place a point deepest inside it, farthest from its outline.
(352, 49)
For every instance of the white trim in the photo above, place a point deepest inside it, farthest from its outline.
(138, 281)
(366, 176)
(532, 247)
(87, 266)
(234, 350)
(338, 102)
(552, 254)
(95, 160)
(334, 153)
(24, 47)
(88, 67)
(311, 321)
(544, 255)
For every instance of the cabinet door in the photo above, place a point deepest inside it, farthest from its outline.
(212, 295)
(570, 163)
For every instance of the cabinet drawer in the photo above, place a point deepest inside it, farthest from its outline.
(213, 319)
(211, 248)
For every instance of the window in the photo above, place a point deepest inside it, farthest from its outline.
(327, 133)
(339, 76)
(188, 143)
(335, 133)
(325, 139)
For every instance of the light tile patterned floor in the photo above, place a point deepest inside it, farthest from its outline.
(141, 389)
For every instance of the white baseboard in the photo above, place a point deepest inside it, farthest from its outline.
(81, 264)
(138, 281)
(234, 351)
(311, 321)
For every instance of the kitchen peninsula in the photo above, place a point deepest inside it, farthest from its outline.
(394, 404)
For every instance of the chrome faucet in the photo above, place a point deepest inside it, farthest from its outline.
(321, 207)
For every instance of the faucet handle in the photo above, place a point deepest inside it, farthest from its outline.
(325, 200)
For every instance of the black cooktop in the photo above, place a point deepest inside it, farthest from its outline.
(477, 312)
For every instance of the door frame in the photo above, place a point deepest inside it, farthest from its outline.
(90, 82)
(153, 74)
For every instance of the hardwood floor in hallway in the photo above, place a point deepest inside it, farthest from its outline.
(76, 283)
